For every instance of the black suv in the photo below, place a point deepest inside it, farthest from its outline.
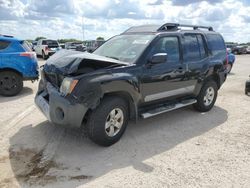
(145, 71)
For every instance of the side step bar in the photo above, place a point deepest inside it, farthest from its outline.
(167, 108)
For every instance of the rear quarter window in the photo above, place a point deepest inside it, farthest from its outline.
(216, 42)
(26, 46)
(4, 44)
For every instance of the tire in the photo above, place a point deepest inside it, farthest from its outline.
(229, 67)
(11, 83)
(101, 116)
(44, 56)
(205, 101)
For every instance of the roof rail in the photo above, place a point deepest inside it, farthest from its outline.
(175, 26)
(7, 36)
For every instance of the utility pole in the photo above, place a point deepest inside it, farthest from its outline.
(82, 28)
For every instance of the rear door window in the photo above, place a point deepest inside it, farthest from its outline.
(4, 44)
(201, 46)
(194, 46)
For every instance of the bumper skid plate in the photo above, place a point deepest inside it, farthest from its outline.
(58, 109)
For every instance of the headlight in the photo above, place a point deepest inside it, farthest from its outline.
(68, 86)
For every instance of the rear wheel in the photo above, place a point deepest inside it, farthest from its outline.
(11, 83)
(107, 123)
(206, 97)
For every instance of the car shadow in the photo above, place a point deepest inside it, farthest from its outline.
(25, 92)
(74, 160)
(231, 74)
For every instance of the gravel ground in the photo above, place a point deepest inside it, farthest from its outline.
(182, 148)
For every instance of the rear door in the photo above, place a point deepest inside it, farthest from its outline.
(196, 59)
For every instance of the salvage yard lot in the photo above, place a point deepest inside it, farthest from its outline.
(182, 148)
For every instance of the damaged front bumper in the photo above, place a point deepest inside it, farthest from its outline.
(57, 108)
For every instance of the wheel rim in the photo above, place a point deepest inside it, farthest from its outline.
(8, 83)
(114, 122)
(209, 96)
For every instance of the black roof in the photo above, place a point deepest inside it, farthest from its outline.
(164, 27)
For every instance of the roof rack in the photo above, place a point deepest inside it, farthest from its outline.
(175, 26)
(7, 36)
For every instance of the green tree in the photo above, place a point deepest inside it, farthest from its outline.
(99, 38)
(68, 40)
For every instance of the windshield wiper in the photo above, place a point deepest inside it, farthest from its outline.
(112, 57)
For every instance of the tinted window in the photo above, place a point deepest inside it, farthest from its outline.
(215, 42)
(50, 43)
(4, 44)
(192, 47)
(169, 45)
(201, 46)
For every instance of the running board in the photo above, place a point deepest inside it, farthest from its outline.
(167, 108)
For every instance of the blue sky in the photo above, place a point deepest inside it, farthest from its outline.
(55, 19)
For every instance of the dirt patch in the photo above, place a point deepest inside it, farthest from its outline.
(3, 159)
(30, 168)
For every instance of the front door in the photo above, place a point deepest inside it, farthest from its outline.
(164, 80)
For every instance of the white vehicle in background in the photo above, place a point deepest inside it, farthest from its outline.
(46, 48)
(248, 49)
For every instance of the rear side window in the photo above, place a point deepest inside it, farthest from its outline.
(215, 42)
(26, 46)
(195, 49)
(4, 44)
(201, 46)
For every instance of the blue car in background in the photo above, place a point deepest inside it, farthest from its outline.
(17, 63)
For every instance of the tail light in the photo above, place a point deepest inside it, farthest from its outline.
(46, 48)
(28, 54)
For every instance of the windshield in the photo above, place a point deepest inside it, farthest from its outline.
(125, 48)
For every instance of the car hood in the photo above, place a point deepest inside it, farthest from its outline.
(68, 62)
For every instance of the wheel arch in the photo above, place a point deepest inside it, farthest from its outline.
(11, 69)
(128, 98)
(214, 77)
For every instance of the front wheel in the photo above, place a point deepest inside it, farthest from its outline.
(11, 83)
(107, 123)
(206, 97)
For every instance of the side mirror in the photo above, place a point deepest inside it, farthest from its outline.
(159, 58)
